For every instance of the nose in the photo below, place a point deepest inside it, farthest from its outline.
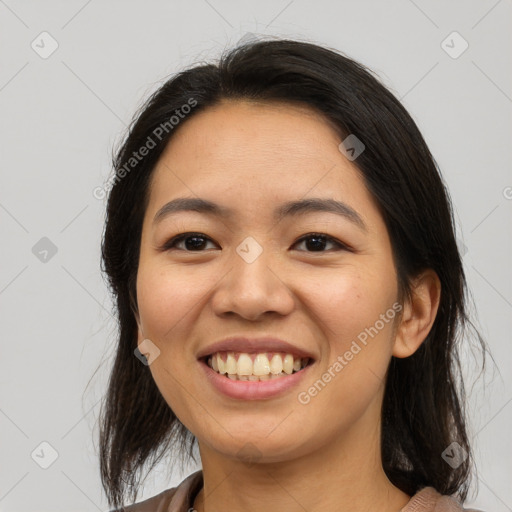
(252, 288)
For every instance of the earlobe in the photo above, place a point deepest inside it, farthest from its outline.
(419, 314)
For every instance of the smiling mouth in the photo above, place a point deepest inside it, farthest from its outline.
(256, 366)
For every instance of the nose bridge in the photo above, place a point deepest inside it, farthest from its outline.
(251, 268)
(252, 287)
(250, 250)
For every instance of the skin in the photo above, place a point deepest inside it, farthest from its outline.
(323, 455)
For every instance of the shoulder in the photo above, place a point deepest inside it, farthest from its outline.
(429, 500)
(155, 504)
(175, 499)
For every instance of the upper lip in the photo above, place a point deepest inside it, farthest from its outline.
(253, 345)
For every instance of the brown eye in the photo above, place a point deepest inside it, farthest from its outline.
(316, 242)
(193, 242)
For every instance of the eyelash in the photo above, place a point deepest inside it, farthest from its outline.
(170, 244)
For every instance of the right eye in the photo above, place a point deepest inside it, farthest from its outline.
(194, 242)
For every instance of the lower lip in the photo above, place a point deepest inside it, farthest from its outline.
(253, 390)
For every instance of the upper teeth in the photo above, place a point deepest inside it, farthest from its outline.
(255, 364)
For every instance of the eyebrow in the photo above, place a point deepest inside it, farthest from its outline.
(291, 208)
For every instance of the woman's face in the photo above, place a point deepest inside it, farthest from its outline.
(251, 274)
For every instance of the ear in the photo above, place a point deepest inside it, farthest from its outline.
(419, 314)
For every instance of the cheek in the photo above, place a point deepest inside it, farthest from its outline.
(166, 299)
(355, 314)
(170, 299)
(349, 301)
(356, 354)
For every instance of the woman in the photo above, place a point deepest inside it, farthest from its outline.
(281, 249)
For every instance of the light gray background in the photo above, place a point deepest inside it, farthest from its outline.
(60, 117)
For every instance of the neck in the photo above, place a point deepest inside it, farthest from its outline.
(344, 475)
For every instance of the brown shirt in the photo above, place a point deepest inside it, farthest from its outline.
(181, 499)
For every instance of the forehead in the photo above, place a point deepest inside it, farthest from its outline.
(252, 154)
(262, 132)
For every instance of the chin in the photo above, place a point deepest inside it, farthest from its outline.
(258, 449)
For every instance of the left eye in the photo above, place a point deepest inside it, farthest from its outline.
(317, 242)
(196, 242)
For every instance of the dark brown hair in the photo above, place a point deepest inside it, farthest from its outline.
(423, 407)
